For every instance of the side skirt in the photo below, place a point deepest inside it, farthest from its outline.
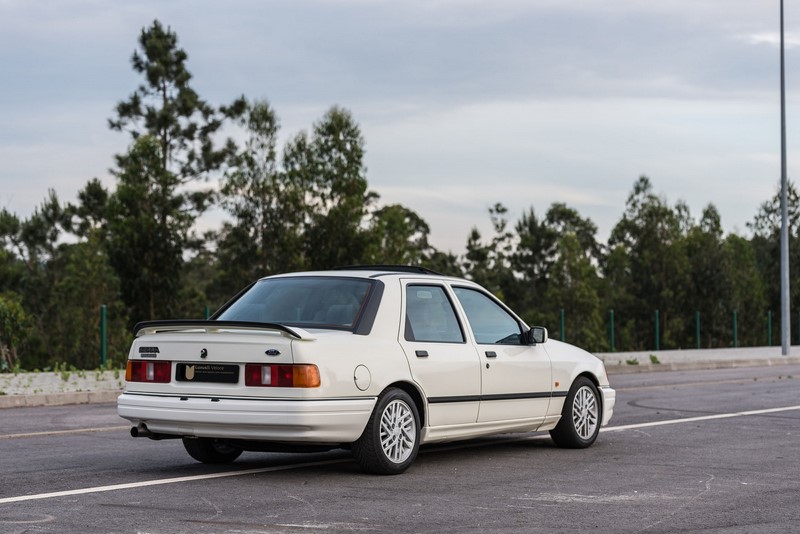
(474, 430)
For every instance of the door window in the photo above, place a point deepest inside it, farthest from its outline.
(491, 323)
(430, 315)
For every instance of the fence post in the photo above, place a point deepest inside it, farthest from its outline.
(562, 324)
(103, 336)
(612, 330)
(658, 341)
(769, 328)
(206, 314)
(697, 327)
(735, 335)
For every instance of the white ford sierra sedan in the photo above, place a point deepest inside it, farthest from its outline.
(377, 359)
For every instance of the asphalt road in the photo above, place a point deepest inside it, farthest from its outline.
(713, 451)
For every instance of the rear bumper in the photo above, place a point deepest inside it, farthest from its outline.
(274, 420)
(609, 399)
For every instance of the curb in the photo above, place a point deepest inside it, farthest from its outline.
(700, 366)
(58, 399)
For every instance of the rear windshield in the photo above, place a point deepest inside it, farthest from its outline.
(324, 302)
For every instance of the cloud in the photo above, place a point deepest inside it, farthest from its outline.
(463, 103)
(772, 38)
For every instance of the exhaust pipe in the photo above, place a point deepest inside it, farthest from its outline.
(141, 431)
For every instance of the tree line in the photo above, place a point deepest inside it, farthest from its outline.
(307, 205)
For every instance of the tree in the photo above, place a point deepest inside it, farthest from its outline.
(86, 282)
(267, 205)
(33, 244)
(747, 289)
(167, 108)
(15, 329)
(650, 234)
(149, 229)
(331, 163)
(90, 214)
(399, 236)
(153, 209)
(541, 244)
(531, 261)
(573, 287)
(766, 244)
(489, 264)
(443, 262)
(709, 272)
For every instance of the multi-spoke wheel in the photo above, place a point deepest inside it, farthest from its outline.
(390, 441)
(580, 417)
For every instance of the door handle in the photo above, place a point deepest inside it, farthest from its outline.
(491, 354)
(421, 353)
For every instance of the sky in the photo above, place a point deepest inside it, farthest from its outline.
(462, 103)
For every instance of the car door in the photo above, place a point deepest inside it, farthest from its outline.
(442, 362)
(516, 377)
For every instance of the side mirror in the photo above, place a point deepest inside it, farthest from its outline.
(538, 334)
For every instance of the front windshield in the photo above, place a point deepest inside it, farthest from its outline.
(322, 302)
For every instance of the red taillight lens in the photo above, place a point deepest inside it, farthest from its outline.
(283, 376)
(147, 371)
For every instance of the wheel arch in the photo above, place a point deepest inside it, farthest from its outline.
(416, 396)
(591, 376)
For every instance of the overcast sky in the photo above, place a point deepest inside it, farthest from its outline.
(463, 103)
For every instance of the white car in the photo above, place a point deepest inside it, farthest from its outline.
(377, 359)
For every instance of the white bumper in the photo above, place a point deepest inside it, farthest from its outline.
(275, 420)
(609, 399)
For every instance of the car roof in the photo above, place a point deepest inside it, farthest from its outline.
(374, 271)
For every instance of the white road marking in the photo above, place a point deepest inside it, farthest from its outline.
(62, 432)
(158, 482)
(699, 418)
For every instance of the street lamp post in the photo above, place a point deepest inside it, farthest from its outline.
(785, 312)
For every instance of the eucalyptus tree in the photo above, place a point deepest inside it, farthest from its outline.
(399, 236)
(489, 263)
(656, 275)
(267, 207)
(710, 271)
(766, 245)
(329, 163)
(549, 251)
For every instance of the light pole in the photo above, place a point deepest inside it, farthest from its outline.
(786, 327)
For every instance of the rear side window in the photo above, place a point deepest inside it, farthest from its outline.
(430, 316)
(324, 302)
(491, 323)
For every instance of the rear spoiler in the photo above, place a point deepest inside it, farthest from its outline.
(208, 326)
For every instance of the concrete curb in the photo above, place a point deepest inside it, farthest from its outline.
(58, 399)
(699, 366)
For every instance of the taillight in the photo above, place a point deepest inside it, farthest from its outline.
(147, 371)
(282, 376)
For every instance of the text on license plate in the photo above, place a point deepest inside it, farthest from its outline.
(207, 372)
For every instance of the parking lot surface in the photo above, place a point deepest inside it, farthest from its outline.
(713, 451)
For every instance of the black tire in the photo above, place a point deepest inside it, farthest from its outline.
(581, 418)
(210, 450)
(396, 418)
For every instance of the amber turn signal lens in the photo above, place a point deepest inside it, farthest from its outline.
(306, 376)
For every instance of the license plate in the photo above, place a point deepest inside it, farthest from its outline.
(208, 372)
